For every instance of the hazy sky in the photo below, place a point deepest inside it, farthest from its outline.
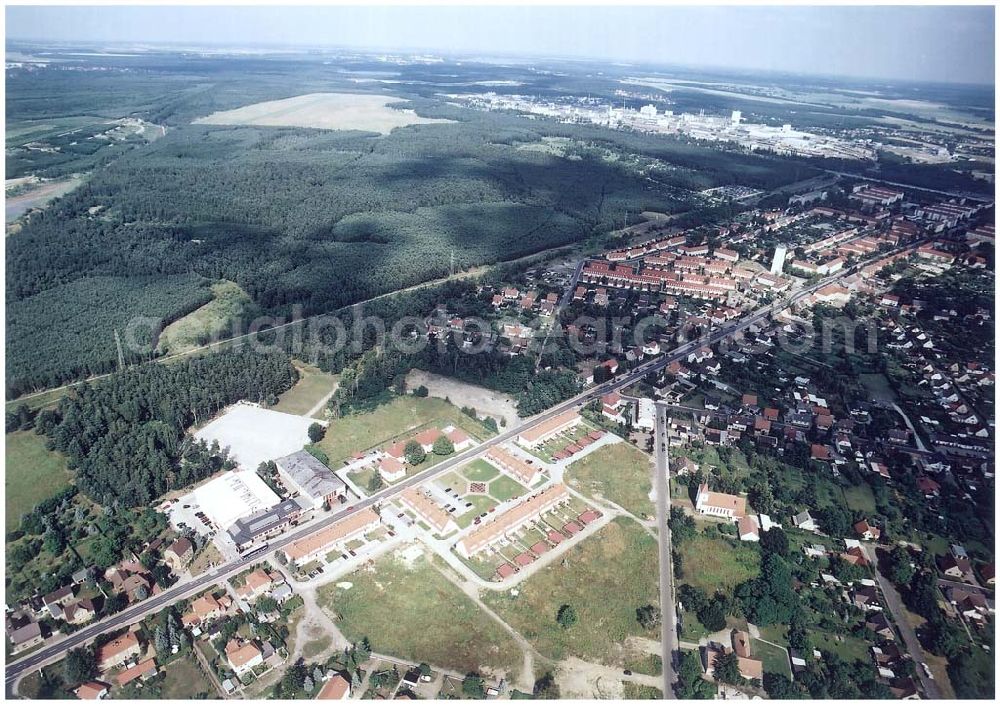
(922, 43)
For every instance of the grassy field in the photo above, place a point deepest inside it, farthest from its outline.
(505, 488)
(631, 691)
(847, 647)
(645, 663)
(184, 680)
(860, 498)
(33, 474)
(605, 579)
(215, 319)
(37, 401)
(480, 470)
(618, 472)
(878, 386)
(417, 614)
(718, 564)
(312, 385)
(775, 659)
(400, 418)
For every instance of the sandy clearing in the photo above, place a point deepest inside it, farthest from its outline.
(328, 111)
(253, 434)
(17, 206)
(483, 400)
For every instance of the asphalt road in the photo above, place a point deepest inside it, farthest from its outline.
(895, 605)
(668, 604)
(202, 582)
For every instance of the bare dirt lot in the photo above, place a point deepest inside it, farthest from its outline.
(483, 400)
(328, 111)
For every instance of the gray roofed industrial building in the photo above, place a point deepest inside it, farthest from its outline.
(265, 523)
(304, 473)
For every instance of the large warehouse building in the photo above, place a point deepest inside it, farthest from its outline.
(234, 495)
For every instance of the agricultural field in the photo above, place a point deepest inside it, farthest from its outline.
(313, 385)
(214, 320)
(620, 473)
(326, 111)
(32, 474)
(400, 417)
(605, 579)
(414, 612)
(717, 563)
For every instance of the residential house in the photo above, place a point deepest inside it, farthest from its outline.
(391, 469)
(91, 690)
(723, 505)
(56, 600)
(336, 688)
(79, 612)
(959, 568)
(117, 651)
(25, 636)
(204, 608)
(144, 670)
(257, 584)
(805, 521)
(179, 554)
(866, 598)
(867, 531)
(748, 529)
(879, 624)
(243, 656)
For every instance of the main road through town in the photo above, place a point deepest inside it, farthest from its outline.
(51, 652)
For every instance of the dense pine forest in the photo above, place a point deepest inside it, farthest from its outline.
(125, 436)
(314, 218)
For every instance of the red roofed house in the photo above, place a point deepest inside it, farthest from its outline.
(748, 529)
(243, 657)
(117, 651)
(458, 439)
(391, 469)
(868, 532)
(928, 486)
(91, 690)
(723, 505)
(336, 688)
(146, 669)
(820, 452)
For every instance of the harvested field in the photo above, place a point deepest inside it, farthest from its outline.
(327, 111)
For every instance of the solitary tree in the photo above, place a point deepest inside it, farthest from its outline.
(648, 616)
(473, 686)
(712, 616)
(727, 669)
(79, 666)
(566, 616)
(443, 446)
(316, 432)
(414, 452)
